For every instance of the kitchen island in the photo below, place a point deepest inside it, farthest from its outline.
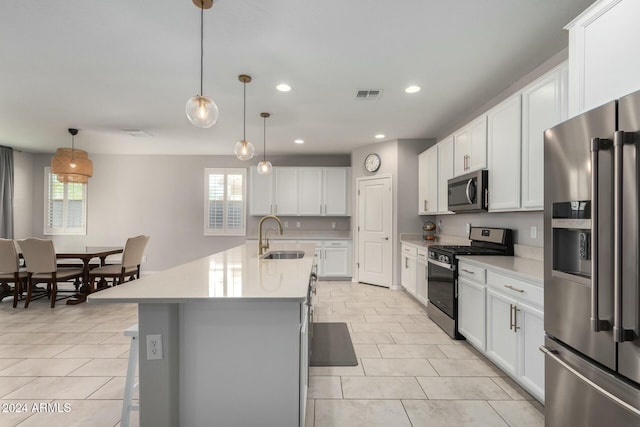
(234, 339)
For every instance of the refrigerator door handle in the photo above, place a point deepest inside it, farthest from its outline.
(619, 333)
(554, 355)
(597, 324)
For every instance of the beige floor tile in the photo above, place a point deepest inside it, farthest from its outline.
(420, 338)
(118, 338)
(324, 388)
(353, 310)
(59, 388)
(8, 363)
(9, 384)
(458, 351)
(341, 318)
(367, 350)
(424, 327)
(21, 326)
(81, 413)
(398, 367)
(66, 327)
(377, 327)
(371, 338)
(309, 417)
(112, 326)
(381, 388)
(356, 304)
(102, 367)
(94, 351)
(452, 413)
(399, 310)
(18, 410)
(360, 413)
(462, 388)
(336, 370)
(113, 389)
(80, 338)
(512, 389)
(465, 368)
(28, 338)
(388, 318)
(410, 351)
(42, 367)
(520, 413)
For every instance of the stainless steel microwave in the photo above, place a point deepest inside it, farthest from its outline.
(469, 192)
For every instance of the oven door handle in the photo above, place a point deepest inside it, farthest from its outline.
(441, 264)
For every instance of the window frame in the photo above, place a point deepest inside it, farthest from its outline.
(225, 231)
(64, 230)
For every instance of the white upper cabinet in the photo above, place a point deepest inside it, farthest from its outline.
(304, 191)
(286, 191)
(504, 135)
(445, 173)
(336, 185)
(603, 54)
(544, 105)
(428, 181)
(261, 193)
(470, 147)
(310, 197)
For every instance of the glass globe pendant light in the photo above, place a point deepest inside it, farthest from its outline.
(201, 110)
(264, 166)
(244, 149)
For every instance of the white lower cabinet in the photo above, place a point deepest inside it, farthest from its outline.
(333, 258)
(504, 320)
(408, 273)
(422, 272)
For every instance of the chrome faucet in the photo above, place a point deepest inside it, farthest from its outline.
(263, 246)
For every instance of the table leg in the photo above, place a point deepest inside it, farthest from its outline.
(85, 289)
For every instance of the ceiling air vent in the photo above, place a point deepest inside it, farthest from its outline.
(368, 94)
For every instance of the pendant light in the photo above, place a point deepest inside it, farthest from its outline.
(244, 149)
(72, 165)
(201, 110)
(264, 167)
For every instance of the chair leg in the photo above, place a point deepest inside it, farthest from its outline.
(29, 290)
(17, 281)
(54, 289)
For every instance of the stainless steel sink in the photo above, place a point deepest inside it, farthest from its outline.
(283, 255)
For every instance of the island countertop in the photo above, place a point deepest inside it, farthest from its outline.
(235, 274)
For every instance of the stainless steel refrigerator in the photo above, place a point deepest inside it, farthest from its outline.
(591, 263)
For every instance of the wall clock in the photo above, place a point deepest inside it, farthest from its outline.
(372, 162)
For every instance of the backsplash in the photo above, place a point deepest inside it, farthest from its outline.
(290, 223)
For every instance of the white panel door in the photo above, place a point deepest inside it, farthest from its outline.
(286, 191)
(471, 312)
(543, 105)
(310, 193)
(260, 193)
(408, 276)
(432, 180)
(375, 209)
(423, 182)
(478, 144)
(501, 338)
(336, 262)
(461, 150)
(445, 173)
(336, 187)
(531, 322)
(504, 136)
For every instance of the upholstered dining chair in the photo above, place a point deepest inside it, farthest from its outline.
(128, 270)
(10, 271)
(40, 258)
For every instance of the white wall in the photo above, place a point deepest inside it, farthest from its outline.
(22, 194)
(162, 196)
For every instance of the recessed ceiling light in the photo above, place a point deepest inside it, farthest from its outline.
(283, 87)
(299, 141)
(379, 136)
(412, 89)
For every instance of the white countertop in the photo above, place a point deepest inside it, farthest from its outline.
(525, 268)
(235, 274)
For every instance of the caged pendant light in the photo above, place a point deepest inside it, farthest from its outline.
(70, 164)
(264, 167)
(201, 110)
(244, 149)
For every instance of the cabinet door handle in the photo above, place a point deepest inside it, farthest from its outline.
(510, 317)
(515, 318)
(425, 205)
(276, 208)
(514, 289)
(271, 208)
(325, 209)
(406, 262)
(468, 271)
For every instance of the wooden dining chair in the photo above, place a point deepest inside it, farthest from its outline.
(10, 271)
(128, 270)
(40, 259)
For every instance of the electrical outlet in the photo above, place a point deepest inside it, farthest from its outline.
(297, 224)
(534, 232)
(286, 224)
(154, 347)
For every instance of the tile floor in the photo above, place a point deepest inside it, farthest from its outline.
(409, 374)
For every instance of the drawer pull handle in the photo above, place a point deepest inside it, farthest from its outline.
(514, 289)
(468, 271)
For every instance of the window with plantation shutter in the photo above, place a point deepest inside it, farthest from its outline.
(65, 206)
(224, 201)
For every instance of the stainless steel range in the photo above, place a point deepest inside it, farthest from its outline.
(442, 285)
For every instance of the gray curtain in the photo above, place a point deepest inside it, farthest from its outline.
(6, 192)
